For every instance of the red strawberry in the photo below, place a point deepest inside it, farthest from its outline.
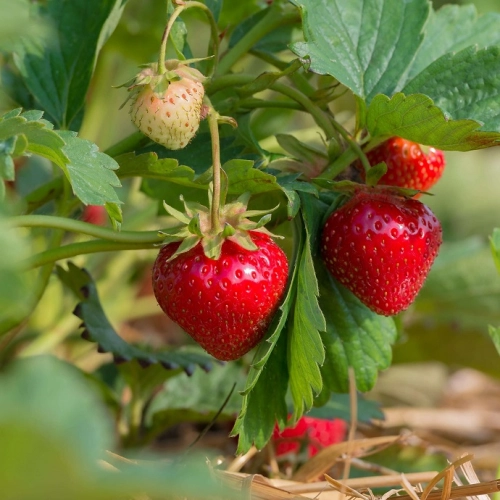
(226, 305)
(407, 165)
(315, 432)
(95, 214)
(167, 108)
(381, 246)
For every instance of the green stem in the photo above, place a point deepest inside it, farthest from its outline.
(214, 35)
(253, 103)
(76, 226)
(213, 125)
(130, 143)
(353, 145)
(340, 164)
(320, 117)
(297, 78)
(85, 247)
(273, 19)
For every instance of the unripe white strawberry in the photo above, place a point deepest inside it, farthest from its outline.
(167, 107)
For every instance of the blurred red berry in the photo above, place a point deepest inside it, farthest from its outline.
(94, 214)
(316, 433)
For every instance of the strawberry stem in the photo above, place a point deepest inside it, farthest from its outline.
(213, 124)
(214, 35)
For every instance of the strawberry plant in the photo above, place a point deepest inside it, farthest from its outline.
(259, 176)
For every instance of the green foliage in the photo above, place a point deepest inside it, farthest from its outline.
(415, 117)
(60, 87)
(354, 337)
(305, 349)
(14, 285)
(495, 247)
(373, 42)
(369, 35)
(403, 69)
(97, 328)
(196, 398)
(56, 428)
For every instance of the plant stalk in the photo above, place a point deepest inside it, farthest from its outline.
(76, 226)
(213, 34)
(274, 18)
(86, 247)
(213, 124)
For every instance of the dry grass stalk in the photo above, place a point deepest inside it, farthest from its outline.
(468, 490)
(256, 487)
(327, 457)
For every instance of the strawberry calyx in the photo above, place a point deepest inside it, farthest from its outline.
(235, 225)
(159, 82)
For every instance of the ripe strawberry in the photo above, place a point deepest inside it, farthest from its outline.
(167, 108)
(315, 432)
(95, 214)
(407, 165)
(381, 246)
(225, 305)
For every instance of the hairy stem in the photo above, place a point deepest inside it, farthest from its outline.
(129, 143)
(214, 35)
(213, 124)
(76, 226)
(340, 164)
(320, 117)
(86, 247)
(275, 17)
(353, 145)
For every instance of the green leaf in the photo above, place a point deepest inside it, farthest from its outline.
(266, 79)
(368, 45)
(354, 337)
(463, 287)
(275, 41)
(243, 177)
(453, 28)
(416, 118)
(14, 284)
(495, 336)
(215, 7)
(264, 403)
(305, 349)
(495, 247)
(376, 173)
(90, 171)
(58, 74)
(97, 328)
(148, 166)
(56, 394)
(16, 22)
(475, 89)
(38, 133)
(54, 426)
(197, 398)
(267, 382)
